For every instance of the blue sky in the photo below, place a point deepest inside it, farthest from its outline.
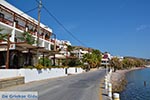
(121, 27)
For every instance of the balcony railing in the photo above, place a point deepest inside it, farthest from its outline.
(21, 27)
(6, 21)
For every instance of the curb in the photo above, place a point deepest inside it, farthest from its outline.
(101, 90)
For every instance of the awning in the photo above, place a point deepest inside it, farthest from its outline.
(33, 49)
(25, 47)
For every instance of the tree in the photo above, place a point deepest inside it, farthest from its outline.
(128, 63)
(93, 59)
(27, 37)
(139, 63)
(70, 49)
(5, 37)
(74, 62)
(45, 62)
(87, 58)
(97, 57)
(115, 63)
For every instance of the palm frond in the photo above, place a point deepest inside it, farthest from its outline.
(27, 37)
(3, 37)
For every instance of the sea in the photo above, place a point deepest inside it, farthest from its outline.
(138, 85)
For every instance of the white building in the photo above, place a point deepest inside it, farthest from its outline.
(79, 53)
(14, 22)
(62, 47)
(106, 57)
(119, 57)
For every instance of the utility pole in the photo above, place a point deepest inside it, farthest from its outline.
(39, 16)
(54, 42)
(38, 27)
(54, 49)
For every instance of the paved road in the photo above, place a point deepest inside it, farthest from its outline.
(75, 87)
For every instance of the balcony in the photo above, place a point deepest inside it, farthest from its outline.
(6, 21)
(7, 16)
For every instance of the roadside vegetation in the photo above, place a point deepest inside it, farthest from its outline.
(27, 37)
(118, 79)
(126, 63)
(93, 59)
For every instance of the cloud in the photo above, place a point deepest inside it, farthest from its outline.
(142, 27)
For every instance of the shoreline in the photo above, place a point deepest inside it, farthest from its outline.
(118, 79)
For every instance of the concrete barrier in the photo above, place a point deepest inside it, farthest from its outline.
(106, 83)
(116, 96)
(108, 77)
(110, 90)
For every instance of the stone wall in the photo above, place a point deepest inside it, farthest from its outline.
(11, 82)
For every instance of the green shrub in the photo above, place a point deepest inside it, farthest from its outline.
(74, 62)
(45, 62)
(39, 67)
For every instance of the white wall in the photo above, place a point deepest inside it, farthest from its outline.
(74, 70)
(35, 75)
(7, 73)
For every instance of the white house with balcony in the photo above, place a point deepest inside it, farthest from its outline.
(79, 53)
(63, 53)
(14, 22)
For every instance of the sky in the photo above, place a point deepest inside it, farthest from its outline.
(120, 27)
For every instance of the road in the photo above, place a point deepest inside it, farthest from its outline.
(74, 87)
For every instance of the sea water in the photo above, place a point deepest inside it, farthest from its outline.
(138, 85)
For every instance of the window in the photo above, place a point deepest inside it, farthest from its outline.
(1, 17)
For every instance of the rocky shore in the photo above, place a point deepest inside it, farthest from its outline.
(118, 79)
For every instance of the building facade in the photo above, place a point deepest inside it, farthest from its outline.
(63, 53)
(14, 22)
(80, 51)
(106, 57)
